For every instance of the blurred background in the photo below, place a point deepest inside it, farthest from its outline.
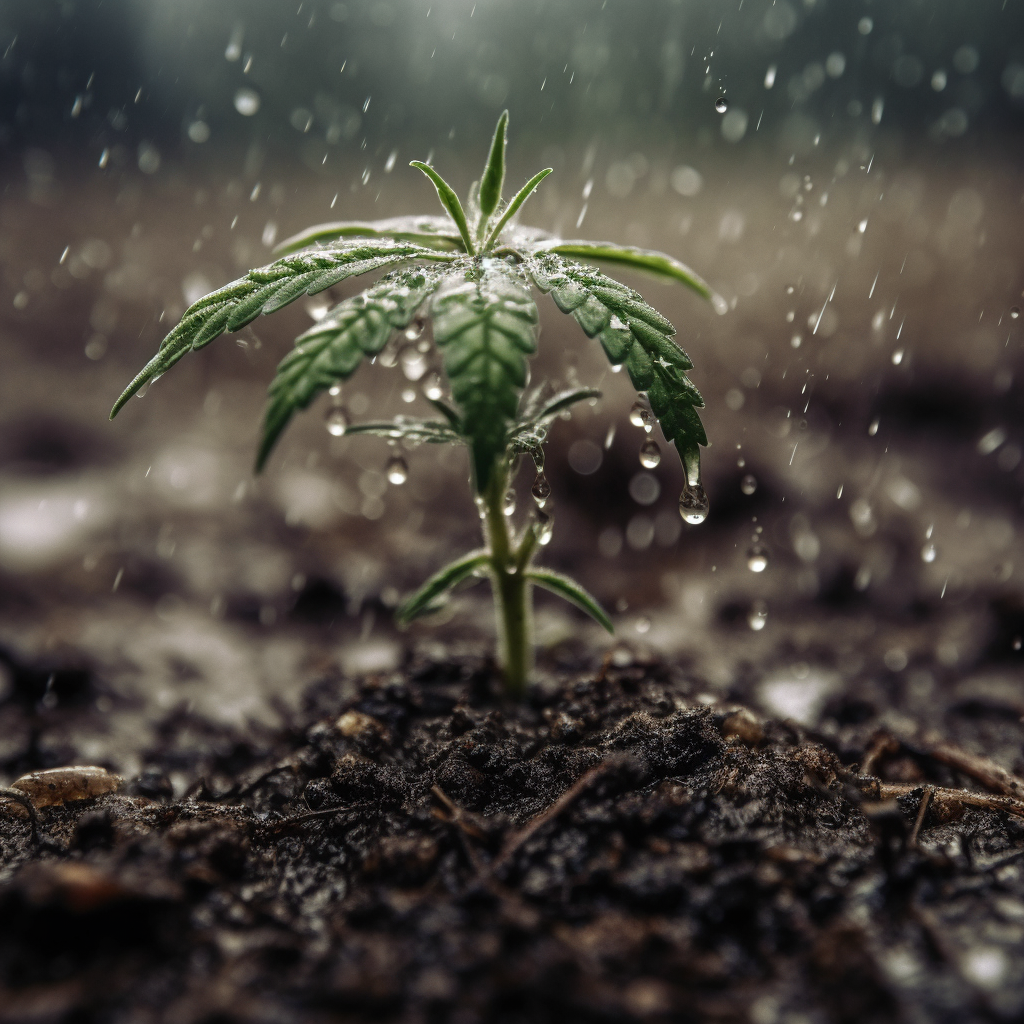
(847, 175)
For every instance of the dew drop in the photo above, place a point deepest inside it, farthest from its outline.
(1015, 312)
(757, 558)
(694, 504)
(432, 387)
(397, 470)
(721, 104)
(650, 453)
(336, 421)
(758, 615)
(509, 506)
(541, 489)
(929, 552)
(640, 416)
(545, 528)
(748, 484)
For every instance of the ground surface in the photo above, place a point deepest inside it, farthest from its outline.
(167, 616)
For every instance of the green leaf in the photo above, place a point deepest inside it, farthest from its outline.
(485, 327)
(433, 232)
(332, 349)
(510, 211)
(657, 263)
(562, 401)
(631, 333)
(268, 289)
(427, 431)
(453, 418)
(494, 175)
(572, 592)
(450, 201)
(439, 584)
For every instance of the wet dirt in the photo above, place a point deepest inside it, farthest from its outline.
(325, 817)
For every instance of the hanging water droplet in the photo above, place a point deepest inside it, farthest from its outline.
(509, 505)
(757, 558)
(541, 489)
(388, 356)
(397, 470)
(141, 393)
(694, 504)
(650, 453)
(545, 528)
(432, 387)
(414, 365)
(640, 416)
(335, 390)
(538, 458)
(929, 552)
(748, 484)
(414, 330)
(336, 421)
(758, 615)
(1015, 312)
(721, 104)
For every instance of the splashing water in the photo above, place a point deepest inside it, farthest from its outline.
(650, 453)
(397, 470)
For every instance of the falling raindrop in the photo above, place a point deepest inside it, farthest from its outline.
(336, 421)
(643, 624)
(748, 484)
(650, 453)
(397, 471)
(414, 330)
(873, 428)
(334, 391)
(432, 387)
(758, 615)
(897, 357)
(510, 502)
(929, 552)
(1015, 312)
(757, 558)
(721, 104)
(541, 489)
(414, 365)
(247, 102)
(640, 416)
(545, 527)
(409, 395)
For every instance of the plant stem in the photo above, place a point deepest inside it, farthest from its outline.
(513, 607)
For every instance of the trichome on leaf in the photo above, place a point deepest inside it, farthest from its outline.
(471, 274)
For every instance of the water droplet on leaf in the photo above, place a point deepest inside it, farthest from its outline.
(640, 416)
(650, 453)
(757, 558)
(748, 484)
(694, 504)
(336, 421)
(397, 470)
(541, 489)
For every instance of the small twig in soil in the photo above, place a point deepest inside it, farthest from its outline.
(30, 809)
(982, 769)
(883, 744)
(580, 786)
(461, 820)
(922, 811)
(298, 819)
(942, 796)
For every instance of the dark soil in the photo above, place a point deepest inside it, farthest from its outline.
(411, 848)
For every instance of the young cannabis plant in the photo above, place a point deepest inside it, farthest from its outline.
(470, 273)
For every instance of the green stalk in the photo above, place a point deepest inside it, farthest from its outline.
(511, 588)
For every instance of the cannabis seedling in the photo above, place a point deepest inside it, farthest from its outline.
(470, 273)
